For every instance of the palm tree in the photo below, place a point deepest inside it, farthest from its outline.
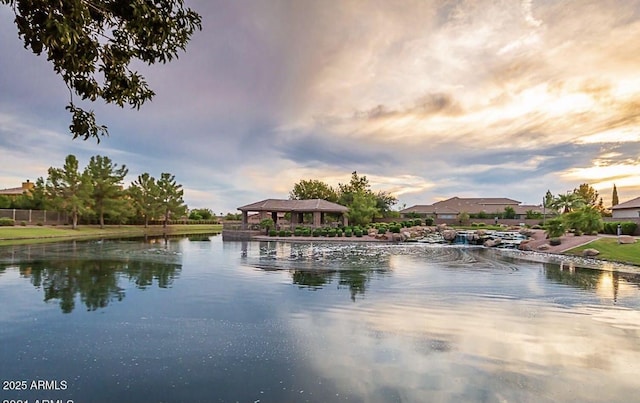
(567, 202)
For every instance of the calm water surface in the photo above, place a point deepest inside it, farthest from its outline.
(199, 320)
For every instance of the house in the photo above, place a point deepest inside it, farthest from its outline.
(487, 206)
(15, 192)
(628, 209)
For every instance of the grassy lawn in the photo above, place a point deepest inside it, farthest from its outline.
(33, 234)
(611, 250)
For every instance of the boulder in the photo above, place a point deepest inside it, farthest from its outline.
(544, 246)
(626, 239)
(396, 237)
(525, 245)
(590, 252)
(490, 243)
(449, 235)
(372, 232)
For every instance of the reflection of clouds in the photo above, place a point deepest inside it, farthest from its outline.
(427, 335)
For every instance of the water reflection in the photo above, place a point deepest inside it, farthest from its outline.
(92, 272)
(314, 266)
(605, 284)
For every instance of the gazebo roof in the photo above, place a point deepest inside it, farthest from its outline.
(295, 205)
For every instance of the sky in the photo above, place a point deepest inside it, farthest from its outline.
(428, 99)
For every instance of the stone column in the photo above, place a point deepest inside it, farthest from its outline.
(345, 220)
(317, 219)
(274, 217)
(245, 219)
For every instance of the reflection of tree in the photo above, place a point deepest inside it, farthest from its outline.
(355, 280)
(590, 279)
(580, 277)
(94, 281)
(313, 280)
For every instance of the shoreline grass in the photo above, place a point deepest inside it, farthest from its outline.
(611, 250)
(19, 235)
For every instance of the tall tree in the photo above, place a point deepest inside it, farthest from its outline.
(588, 194)
(88, 41)
(614, 196)
(548, 199)
(170, 197)
(69, 190)
(313, 189)
(107, 187)
(145, 194)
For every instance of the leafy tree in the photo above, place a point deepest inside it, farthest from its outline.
(36, 198)
(5, 201)
(614, 196)
(313, 189)
(588, 194)
(107, 187)
(548, 200)
(69, 190)
(509, 212)
(88, 41)
(358, 184)
(145, 194)
(362, 209)
(170, 197)
(463, 217)
(585, 220)
(384, 202)
(267, 224)
(233, 217)
(201, 214)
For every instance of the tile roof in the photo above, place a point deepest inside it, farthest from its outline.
(455, 205)
(295, 205)
(12, 191)
(633, 203)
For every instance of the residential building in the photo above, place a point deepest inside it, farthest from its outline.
(488, 206)
(628, 209)
(15, 192)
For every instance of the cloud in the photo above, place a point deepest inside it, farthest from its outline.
(435, 98)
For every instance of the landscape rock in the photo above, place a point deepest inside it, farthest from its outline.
(626, 239)
(525, 245)
(490, 243)
(590, 252)
(449, 235)
(544, 246)
(396, 237)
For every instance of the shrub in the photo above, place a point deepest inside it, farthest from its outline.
(273, 232)
(382, 230)
(281, 232)
(395, 229)
(7, 222)
(348, 232)
(628, 228)
(23, 223)
(555, 228)
(358, 233)
(429, 221)
(306, 232)
(555, 241)
(298, 231)
(287, 233)
(317, 232)
(39, 223)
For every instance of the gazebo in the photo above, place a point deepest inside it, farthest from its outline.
(297, 208)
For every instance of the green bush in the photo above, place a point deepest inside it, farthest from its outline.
(348, 233)
(358, 233)
(306, 232)
(39, 223)
(7, 222)
(317, 232)
(555, 241)
(23, 223)
(555, 228)
(395, 229)
(282, 233)
(273, 232)
(429, 221)
(628, 228)
(298, 231)
(382, 230)
(287, 233)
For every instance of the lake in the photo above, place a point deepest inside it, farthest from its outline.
(201, 320)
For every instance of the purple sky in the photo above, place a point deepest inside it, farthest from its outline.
(428, 99)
